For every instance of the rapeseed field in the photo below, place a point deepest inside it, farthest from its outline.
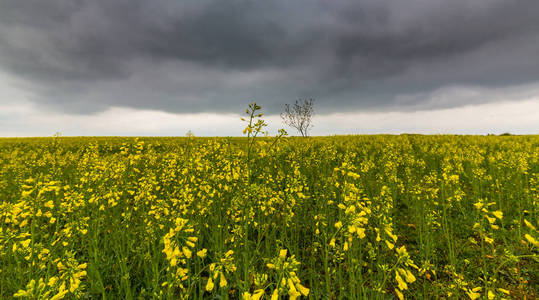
(342, 217)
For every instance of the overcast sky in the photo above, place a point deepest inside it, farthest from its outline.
(162, 67)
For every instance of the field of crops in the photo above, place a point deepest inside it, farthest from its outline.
(344, 217)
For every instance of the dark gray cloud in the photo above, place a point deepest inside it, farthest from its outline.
(191, 56)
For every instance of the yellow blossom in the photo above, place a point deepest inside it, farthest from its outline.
(303, 290)
(202, 253)
(275, 295)
(532, 240)
(209, 285)
(401, 283)
(186, 252)
(222, 280)
(529, 225)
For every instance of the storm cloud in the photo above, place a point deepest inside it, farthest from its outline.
(207, 56)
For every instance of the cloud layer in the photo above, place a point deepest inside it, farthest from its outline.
(85, 57)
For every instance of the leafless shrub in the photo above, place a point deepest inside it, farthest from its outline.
(299, 115)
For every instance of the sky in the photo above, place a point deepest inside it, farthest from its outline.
(164, 67)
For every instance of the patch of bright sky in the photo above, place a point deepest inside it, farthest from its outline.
(20, 117)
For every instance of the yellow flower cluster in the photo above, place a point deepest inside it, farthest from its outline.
(218, 271)
(285, 269)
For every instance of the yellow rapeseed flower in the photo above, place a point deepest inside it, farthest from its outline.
(532, 240)
(202, 253)
(282, 253)
(209, 285)
(401, 283)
